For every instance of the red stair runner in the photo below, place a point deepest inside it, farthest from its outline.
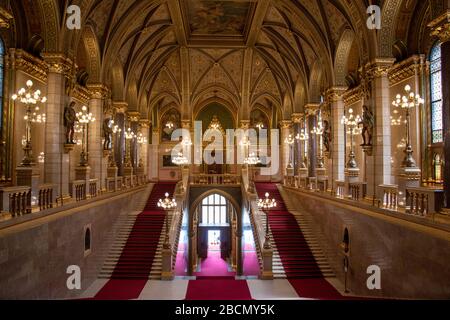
(296, 256)
(135, 263)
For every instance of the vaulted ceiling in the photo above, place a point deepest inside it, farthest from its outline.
(275, 53)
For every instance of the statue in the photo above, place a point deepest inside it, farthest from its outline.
(107, 134)
(367, 123)
(70, 118)
(327, 137)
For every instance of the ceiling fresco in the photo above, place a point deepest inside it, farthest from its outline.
(218, 18)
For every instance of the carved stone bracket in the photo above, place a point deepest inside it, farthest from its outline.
(5, 17)
(68, 147)
(31, 65)
(440, 27)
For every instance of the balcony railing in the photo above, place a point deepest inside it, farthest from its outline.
(215, 179)
(16, 200)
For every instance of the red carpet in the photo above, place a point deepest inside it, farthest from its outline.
(218, 289)
(296, 256)
(316, 289)
(251, 264)
(214, 266)
(135, 263)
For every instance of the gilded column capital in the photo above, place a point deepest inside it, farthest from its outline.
(440, 27)
(120, 106)
(58, 63)
(379, 67)
(336, 93)
(244, 124)
(312, 109)
(297, 117)
(285, 124)
(98, 90)
(134, 116)
(145, 123)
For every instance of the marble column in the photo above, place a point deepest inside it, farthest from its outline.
(153, 155)
(297, 120)
(286, 157)
(441, 28)
(338, 145)
(97, 161)
(121, 109)
(378, 168)
(311, 120)
(56, 166)
(143, 148)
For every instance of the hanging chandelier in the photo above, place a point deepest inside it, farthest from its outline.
(180, 160)
(167, 203)
(252, 159)
(266, 203)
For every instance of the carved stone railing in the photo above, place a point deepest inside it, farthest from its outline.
(174, 219)
(46, 196)
(357, 190)
(79, 191)
(388, 197)
(15, 200)
(93, 188)
(340, 189)
(215, 179)
(424, 201)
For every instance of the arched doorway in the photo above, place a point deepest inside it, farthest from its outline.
(214, 237)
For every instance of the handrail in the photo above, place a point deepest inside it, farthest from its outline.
(257, 217)
(175, 221)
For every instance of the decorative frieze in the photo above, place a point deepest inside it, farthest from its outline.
(379, 67)
(81, 94)
(440, 27)
(59, 63)
(353, 95)
(21, 60)
(5, 18)
(406, 69)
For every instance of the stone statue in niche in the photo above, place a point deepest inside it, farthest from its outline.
(70, 118)
(367, 123)
(107, 134)
(326, 135)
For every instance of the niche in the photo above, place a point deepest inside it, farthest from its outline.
(87, 240)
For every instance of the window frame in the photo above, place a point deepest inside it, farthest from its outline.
(434, 101)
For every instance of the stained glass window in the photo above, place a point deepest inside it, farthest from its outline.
(2, 58)
(436, 94)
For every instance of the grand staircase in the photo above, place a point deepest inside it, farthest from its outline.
(137, 250)
(297, 250)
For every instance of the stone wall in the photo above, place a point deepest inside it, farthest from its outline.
(35, 255)
(413, 257)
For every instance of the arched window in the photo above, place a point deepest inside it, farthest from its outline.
(436, 94)
(87, 241)
(2, 76)
(214, 210)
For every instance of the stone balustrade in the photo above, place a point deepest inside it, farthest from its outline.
(389, 195)
(93, 188)
(357, 190)
(424, 201)
(215, 179)
(79, 190)
(340, 189)
(16, 201)
(46, 196)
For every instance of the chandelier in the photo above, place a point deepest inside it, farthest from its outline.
(265, 205)
(30, 98)
(180, 160)
(167, 203)
(252, 159)
(141, 139)
(352, 123)
(216, 125)
(407, 102)
(84, 118)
